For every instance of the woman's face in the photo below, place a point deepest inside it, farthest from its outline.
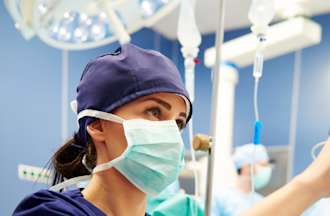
(154, 107)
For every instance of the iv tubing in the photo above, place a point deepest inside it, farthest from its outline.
(257, 73)
(255, 99)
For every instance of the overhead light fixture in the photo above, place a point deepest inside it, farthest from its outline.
(150, 7)
(284, 37)
(83, 24)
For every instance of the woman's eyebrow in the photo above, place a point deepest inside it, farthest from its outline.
(160, 101)
(182, 114)
(164, 104)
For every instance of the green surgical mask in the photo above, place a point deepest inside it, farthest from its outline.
(262, 177)
(153, 158)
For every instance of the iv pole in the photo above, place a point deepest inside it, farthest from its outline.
(215, 107)
(65, 95)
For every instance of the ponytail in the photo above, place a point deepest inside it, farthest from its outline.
(67, 160)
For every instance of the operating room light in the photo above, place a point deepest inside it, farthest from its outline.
(75, 27)
(150, 7)
(83, 24)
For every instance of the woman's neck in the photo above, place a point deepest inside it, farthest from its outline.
(113, 194)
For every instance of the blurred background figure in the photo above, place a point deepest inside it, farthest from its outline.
(235, 199)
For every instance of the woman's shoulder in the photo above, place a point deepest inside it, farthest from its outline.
(47, 202)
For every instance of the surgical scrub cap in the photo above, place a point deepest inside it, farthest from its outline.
(114, 79)
(243, 155)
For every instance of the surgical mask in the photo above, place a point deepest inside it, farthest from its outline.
(154, 155)
(262, 177)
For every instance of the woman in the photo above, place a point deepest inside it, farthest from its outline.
(131, 105)
(148, 104)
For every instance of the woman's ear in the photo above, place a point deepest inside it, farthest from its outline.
(95, 130)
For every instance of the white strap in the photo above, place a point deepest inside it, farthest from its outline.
(70, 182)
(74, 106)
(108, 165)
(102, 167)
(100, 115)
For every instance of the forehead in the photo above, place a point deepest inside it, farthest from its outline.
(173, 102)
(176, 101)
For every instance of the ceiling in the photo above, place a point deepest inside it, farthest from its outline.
(235, 17)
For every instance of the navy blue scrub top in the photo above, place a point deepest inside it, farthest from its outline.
(50, 203)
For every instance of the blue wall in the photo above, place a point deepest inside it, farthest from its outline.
(30, 108)
(31, 100)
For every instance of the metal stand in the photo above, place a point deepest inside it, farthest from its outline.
(215, 108)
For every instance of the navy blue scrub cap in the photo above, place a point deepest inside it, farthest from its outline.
(114, 79)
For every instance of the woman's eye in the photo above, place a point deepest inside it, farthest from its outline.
(181, 124)
(154, 112)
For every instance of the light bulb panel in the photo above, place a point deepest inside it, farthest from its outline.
(21, 13)
(84, 24)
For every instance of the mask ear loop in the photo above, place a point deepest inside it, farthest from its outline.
(108, 117)
(70, 182)
(74, 181)
(85, 113)
(83, 161)
(100, 115)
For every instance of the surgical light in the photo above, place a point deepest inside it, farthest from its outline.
(83, 24)
(150, 7)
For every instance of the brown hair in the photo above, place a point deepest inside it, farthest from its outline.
(67, 160)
